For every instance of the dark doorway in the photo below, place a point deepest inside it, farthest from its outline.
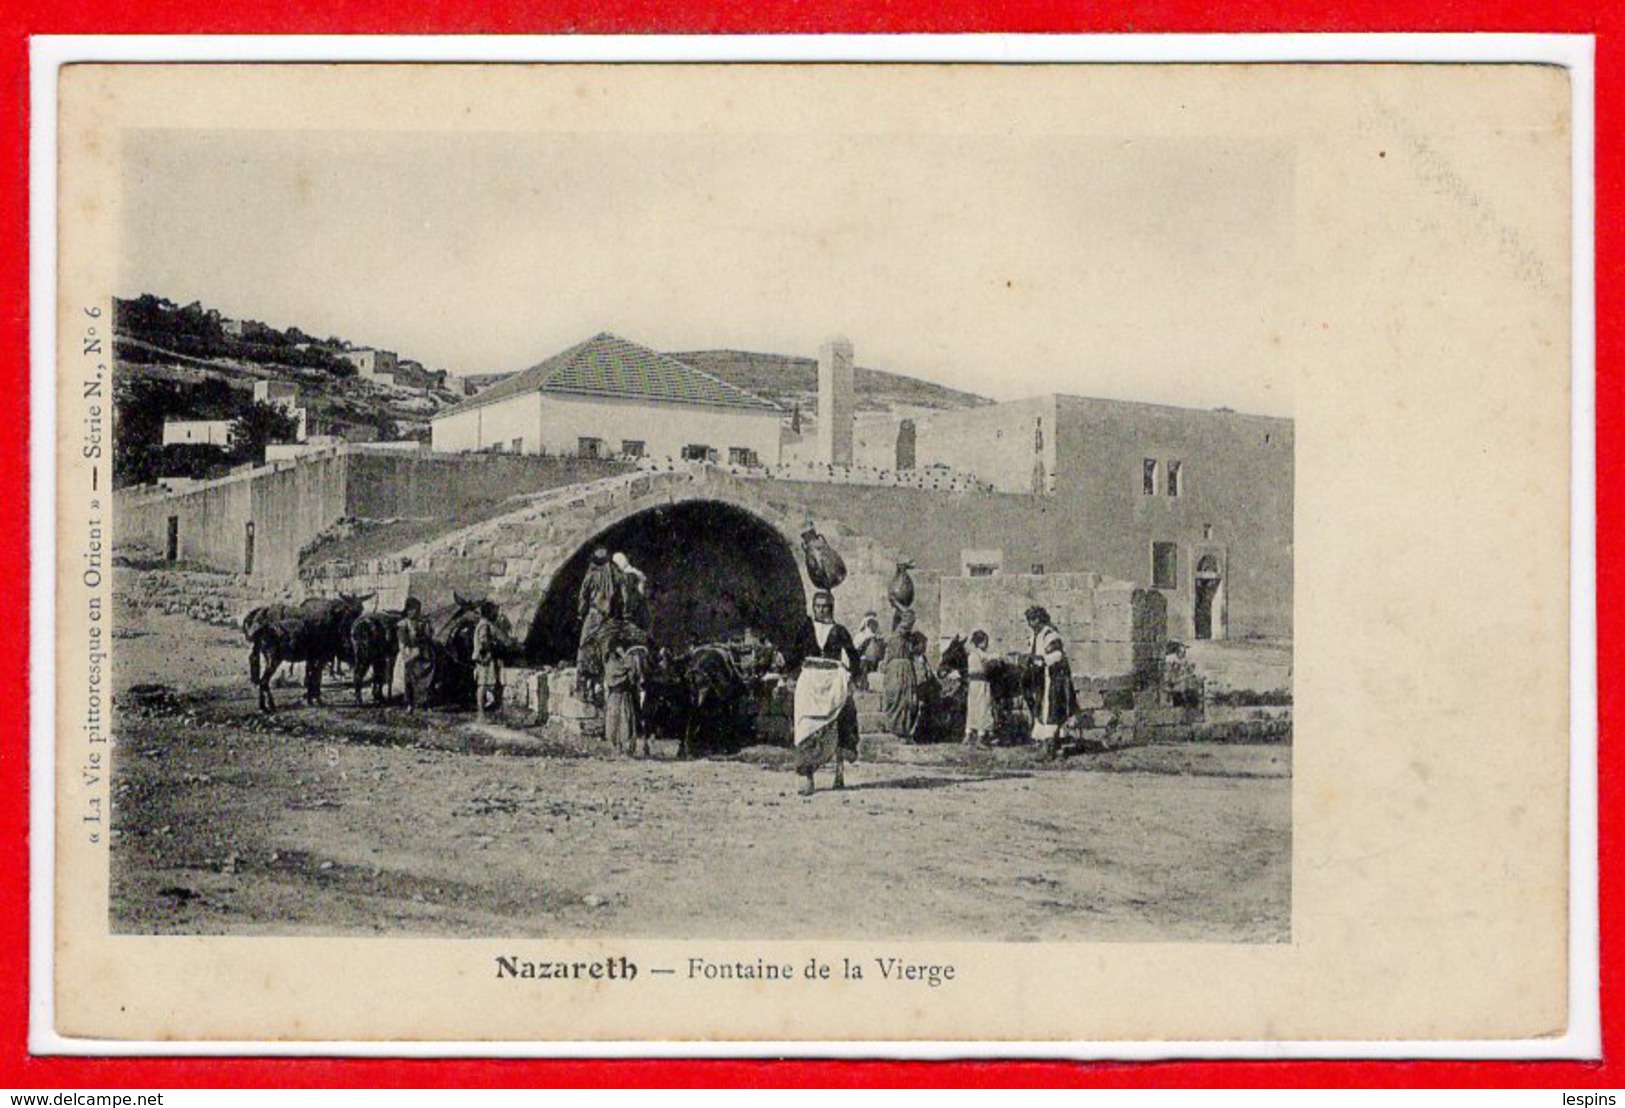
(248, 548)
(905, 445)
(172, 546)
(1207, 593)
(714, 570)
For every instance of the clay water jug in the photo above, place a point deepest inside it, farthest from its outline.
(824, 565)
(901, 590)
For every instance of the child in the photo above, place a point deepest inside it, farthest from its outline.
(978, 695)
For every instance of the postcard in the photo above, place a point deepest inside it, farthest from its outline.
(713, 553)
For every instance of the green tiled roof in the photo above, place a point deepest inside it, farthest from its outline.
(607, 365)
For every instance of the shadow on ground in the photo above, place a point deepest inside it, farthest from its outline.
(923, 782)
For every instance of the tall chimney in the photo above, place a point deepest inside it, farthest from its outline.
(837, 402)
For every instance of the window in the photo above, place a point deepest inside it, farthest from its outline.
(589, 447)
(519, 446)
(981, 563)
(1038, 569)
(698, 452)
(633, 448)
(741, 456)
(1164, 565)
(1149, 480)
(1207, 530)
(1176, 470)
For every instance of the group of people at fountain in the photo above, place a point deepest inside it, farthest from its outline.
(832, 663)
(829, 664)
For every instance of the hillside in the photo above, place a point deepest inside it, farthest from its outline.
(792, 381)
(191, 363)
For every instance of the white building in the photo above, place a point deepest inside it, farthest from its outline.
(197, 432)
(608, 397)
(283, 393)
(373, 365)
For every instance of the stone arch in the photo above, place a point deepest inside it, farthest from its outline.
(715, 565)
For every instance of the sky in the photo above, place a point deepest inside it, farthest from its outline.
(1147, 268)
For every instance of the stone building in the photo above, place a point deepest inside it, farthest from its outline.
(607, 397)
(1093, 508)
(373, 365)
(282, 393)
(1194, 503)
(197, 432)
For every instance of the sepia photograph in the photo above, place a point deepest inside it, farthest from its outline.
(558, 535)
(812, 551)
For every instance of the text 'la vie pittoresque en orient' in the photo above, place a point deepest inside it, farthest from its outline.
(93, 424)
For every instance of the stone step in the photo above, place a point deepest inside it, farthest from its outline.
(572, 708)
(870, 723)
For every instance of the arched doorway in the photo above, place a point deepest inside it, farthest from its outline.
(1208, 610)
(714, 570)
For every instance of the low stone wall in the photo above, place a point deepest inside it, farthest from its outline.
(1111, 628)
(1111, 729)
(1240, 665)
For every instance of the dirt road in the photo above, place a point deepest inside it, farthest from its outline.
(359, 821)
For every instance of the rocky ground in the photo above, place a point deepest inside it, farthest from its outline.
(344, 820)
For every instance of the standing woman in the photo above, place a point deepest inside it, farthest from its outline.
(488, 644)
(1059, 701)
(826, 721)
(621, 673)
(414, 642)
(598, 602)
(900, 680)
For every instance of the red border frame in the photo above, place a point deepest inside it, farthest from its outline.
(1604, 19)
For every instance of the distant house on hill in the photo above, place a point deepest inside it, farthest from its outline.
(472, 384)
(249, 330)
(415, 375)
(607, 397)
(285, 395)
(282, 393)
(373, 365)
(197, 432)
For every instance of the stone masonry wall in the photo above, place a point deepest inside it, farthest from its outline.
(511, 559)
(1109, 628)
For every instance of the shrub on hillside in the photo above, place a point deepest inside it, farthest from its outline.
(197, 333)
(256, 427)
(191, 459)
(141, 407)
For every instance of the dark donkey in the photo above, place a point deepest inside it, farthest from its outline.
(260, 617)
(715, 681)
(318, 633)
(373, 647)
(452, 649)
